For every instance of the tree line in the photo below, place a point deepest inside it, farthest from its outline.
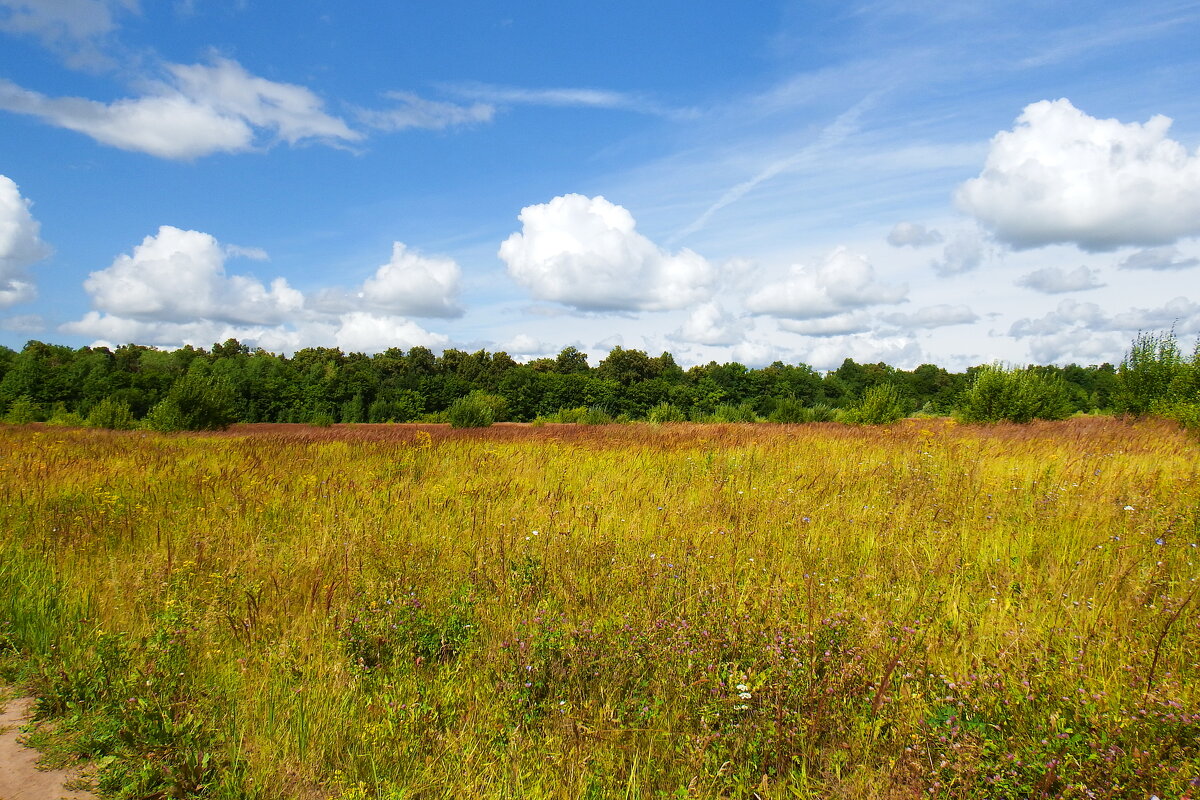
(195, 389)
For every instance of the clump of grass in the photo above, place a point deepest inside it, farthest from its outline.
(927, 608)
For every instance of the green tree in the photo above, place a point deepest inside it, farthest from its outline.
(570, 361)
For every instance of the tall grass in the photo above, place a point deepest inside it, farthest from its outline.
(616, 611)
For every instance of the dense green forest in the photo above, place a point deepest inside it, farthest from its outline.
(194, 388)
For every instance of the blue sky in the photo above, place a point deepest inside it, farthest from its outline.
(908, 182)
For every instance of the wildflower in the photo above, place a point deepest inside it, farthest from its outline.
(1129, 508)
(1160, 540)
(741, 687)
(744, 695)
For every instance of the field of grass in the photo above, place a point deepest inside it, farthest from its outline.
(674, 611)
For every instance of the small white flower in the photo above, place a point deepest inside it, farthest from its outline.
(741, 687)
(1129, 508)
(744, 695)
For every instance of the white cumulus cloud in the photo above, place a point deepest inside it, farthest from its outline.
(964, 253)
(837, 325)
(586, 252)
(1180, 313)
(360, 331)
(1158, 258)
(1054, 280)
(1086, 333)
(710, 324)
(1061, 176)
(938, 316)
(843, 281)
(865, 348)
(523, 345)
(20, 245)
(181, 274)
(198, 110)
(910, 234)
(414, 284)
(173, 289)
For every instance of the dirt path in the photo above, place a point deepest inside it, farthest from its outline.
(20, 779)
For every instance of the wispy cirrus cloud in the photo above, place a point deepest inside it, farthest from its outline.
(563, 97)
(75, 29)
(195, 110)
(409, 110)
(829, 137)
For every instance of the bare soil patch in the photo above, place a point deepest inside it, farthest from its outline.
(20, 777)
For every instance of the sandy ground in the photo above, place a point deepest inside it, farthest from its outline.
(20, 778)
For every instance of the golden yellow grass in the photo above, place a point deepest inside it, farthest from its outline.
(925, 609)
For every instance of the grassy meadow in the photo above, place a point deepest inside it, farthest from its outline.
(636, 611)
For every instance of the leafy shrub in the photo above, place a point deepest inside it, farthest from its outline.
(1147, 372)
(163, 417)
(63, 418)
(477, 410)
(196, 402)
(596, 415)
(787, 410)
(112, 414)
(1182, 402)
(321, 419)
(665, 412)
(820, 412)
(403, 406)
(1001, 394)
(880, 405)
(583, 415)
(565, 415)
(22, 411)
(728, 412)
